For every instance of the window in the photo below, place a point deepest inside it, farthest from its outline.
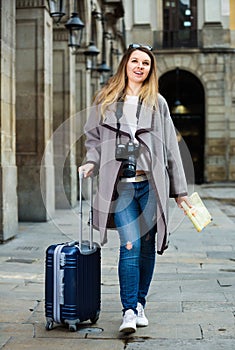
(180, 23)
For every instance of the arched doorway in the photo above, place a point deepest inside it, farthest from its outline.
(185, 96)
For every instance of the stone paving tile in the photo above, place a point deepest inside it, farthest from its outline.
(207, 306)
(11, 330)
(179, 344)
(61, 344)
(164, 306)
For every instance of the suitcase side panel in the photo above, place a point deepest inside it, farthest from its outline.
(82, 286)
(54, 281)
(90, 290)
(49, 278)
(79, 290)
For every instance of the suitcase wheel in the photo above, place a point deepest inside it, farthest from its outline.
(95, 318)
(49, 325)
(72, 328)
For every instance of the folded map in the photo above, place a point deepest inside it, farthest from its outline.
(198, 214)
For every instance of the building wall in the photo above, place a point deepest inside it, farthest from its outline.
(34, 110)
(8, 170)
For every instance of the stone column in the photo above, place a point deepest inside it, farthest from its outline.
(142, 26)
(64, 88)
(8, 171)
(212, 11)
(232, 120)
(85, 89)
(34, 110)
(213, 33)
(84, 95)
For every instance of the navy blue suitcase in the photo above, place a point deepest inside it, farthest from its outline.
(73, 279)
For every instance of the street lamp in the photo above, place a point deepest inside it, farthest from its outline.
(75, 26)
(56, 9)
(91, 54)
(103, 67)
(92, 51)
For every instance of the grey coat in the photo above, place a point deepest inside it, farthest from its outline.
(155, 131)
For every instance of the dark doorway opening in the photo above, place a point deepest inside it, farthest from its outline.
(185, 96)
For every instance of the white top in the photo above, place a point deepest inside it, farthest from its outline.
(129, 111)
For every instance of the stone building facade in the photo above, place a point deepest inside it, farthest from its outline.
(44, 84)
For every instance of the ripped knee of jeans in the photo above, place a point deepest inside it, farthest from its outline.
(147, 237)
(129, 245)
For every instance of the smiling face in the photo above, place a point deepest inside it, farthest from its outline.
(138, 67)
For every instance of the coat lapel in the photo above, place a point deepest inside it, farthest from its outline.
(145, 119)
(145, 122)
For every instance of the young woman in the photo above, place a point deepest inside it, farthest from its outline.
(131, 142)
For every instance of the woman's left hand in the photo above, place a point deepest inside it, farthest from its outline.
(185, 199)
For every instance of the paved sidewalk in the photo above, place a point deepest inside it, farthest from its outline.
(191, 304)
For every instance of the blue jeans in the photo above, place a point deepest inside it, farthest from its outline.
(135, 219)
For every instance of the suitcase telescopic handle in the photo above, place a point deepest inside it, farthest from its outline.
(81, 176)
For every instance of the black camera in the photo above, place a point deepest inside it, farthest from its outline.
(127, 154)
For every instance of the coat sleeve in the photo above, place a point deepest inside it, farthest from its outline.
(92, 142)
(174, 165)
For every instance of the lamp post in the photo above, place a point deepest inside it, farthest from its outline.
(56, 9)
(74, 24)
(92, 51)
(75, 27)
(91, 54)
(103, 68)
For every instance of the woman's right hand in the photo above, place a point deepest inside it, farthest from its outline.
(86, 169)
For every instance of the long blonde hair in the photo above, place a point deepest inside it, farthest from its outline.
(115, 89)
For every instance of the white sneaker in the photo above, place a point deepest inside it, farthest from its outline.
(129, 322)
(142, 320)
